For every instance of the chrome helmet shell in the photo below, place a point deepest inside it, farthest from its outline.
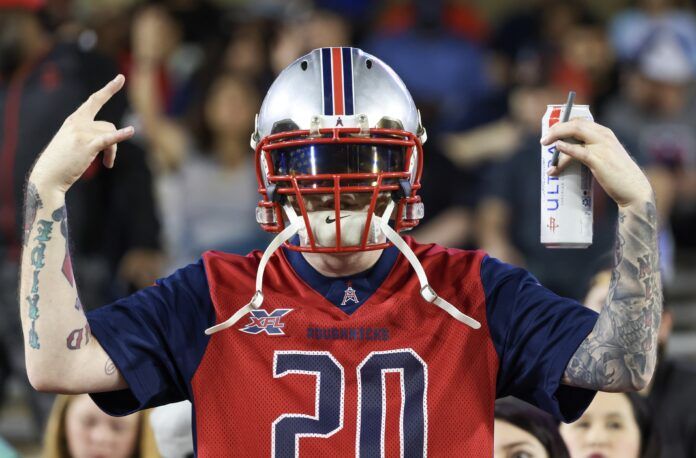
(338, 122)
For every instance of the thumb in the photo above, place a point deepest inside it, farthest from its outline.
(570, 151)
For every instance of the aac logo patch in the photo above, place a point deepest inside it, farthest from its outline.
(262, 321)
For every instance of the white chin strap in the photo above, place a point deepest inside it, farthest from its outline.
(426, 291)
(296, 224)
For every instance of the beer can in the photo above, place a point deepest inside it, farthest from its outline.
(566, 200)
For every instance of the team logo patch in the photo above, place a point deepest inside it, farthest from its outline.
(261, 321)
(350, 296)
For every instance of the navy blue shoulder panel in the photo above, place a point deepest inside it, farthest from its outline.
(535, 333)
(155, 338)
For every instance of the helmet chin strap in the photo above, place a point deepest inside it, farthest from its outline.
(296, 224)
(426, 291)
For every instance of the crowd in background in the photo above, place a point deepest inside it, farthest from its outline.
(196, 72)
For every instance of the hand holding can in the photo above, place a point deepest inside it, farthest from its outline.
(566, 198)
(612, 166)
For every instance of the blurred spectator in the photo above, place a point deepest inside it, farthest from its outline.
(508, 215)
(457, 17)
(655, 117)
(522, 430)
(631, 28)
(172, 427)
(615, 425)
(205, 172)
(444, 71)
(78, 428)
(584, 62)
(441, 61)
(670, 395)
(113, 232)
(299, 35)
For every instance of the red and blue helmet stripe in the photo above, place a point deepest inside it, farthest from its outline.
(337, 81)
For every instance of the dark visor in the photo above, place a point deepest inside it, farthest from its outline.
(336, 158)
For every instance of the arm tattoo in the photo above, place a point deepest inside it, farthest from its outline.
(61, 216)
(33, 204)
(620, 353)
(78, 337)
(38, 261)
(109, 367)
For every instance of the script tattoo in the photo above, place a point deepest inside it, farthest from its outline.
(38, 261)
(620, 352)
(33, 204)
(78, 337)
(61, 216)
(109, 367)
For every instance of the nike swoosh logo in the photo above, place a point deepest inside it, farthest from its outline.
(330, 220)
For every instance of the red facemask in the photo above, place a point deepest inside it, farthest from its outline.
(340, 172)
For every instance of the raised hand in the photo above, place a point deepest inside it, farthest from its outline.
(602, 152)
(78, 141)
(620, 353)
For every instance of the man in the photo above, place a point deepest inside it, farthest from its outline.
(341, 348)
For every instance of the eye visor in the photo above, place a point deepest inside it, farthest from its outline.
(350, 155)
(338, 158)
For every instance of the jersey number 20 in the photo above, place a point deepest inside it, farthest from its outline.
(329, 394)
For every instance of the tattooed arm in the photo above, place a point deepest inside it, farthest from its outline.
(621, 351)
(61, 354)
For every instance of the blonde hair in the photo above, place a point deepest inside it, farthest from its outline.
(56, 443)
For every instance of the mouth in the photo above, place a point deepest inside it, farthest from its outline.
(597, 455)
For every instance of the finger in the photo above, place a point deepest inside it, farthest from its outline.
(96, 101)
(110, 156)
(583, 130)
(569, 152)
(104, 141)
(104, 126)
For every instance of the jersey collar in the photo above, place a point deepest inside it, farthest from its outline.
(349, 292)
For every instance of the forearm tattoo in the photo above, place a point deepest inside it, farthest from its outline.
(620, 353)
(78, 337)
(38, 261)
(33, 204)
(61, 216)
(44, 231)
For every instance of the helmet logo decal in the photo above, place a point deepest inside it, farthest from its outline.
(337, 81)
(339, 122)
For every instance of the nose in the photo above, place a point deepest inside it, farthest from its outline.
(597, 435)
(101, 435)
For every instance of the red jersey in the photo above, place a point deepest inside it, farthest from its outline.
(305, 376)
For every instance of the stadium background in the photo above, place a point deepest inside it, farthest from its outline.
(481, 73)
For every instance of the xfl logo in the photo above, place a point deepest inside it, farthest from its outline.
(261, 321)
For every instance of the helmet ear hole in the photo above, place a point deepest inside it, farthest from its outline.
(368, 63)
(304, 65)
(284, 125)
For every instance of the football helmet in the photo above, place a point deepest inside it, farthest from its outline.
(339, 141)
(337, 136)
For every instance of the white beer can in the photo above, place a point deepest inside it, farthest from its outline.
(566, 200)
